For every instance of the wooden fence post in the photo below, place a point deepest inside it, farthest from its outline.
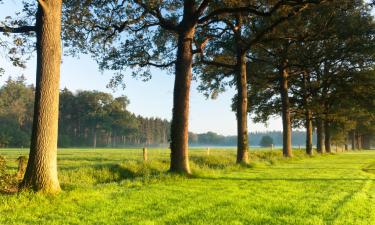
(22, 163)
(145, 154)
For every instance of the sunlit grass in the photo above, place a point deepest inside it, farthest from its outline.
(113, 186)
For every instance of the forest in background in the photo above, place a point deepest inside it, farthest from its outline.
(97, 119)
(86, 119)
(214, 139)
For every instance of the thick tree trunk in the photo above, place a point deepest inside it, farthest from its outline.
(180, 113)
(41, 172)
(319, 136)
(242, 135)
(327, 136)
(309, 132)
(287, 130)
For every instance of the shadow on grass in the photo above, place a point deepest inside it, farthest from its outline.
(285, 179)
(370, 168)
(119, 172)
(212, 162)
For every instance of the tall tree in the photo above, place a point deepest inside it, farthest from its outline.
(230, 51)
(41, 172)
(141, 34)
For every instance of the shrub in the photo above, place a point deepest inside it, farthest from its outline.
(8, 183)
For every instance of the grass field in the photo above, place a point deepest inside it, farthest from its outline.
(115, 187)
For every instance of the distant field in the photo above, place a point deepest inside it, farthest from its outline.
(113, 186)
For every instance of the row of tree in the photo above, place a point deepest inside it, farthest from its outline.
(86, 118)
(223, 41)
(92, 118)
(315, 70)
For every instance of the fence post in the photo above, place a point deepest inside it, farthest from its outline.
(145, 154)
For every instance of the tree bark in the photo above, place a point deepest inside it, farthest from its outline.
(181, 94)
(41, 172)
(319, 136)
(287, 130)
(242, 134)
(309, 132)
(308, 116)
(327, 136)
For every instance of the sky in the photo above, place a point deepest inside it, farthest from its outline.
(150, 99)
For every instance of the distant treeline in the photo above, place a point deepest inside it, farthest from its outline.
(86, 119)
(214, 139)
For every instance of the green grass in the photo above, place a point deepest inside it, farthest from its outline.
(109, 186)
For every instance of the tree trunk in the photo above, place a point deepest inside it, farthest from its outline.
(41, 172)
(242, 135)
(319, 136)
(287, 130)
(95, 138)
(366, 144)
(114, 140)
(359, 140)
(181, 94)
(309, 132)
(353, 139)
(327, 137)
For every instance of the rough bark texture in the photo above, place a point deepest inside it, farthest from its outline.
(180, 113)
(242, 135)
(309, 134)
(287, 130)
(327, 136)
(41, 172)
(319, 136)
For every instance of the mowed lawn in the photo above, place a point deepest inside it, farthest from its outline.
(107, 186)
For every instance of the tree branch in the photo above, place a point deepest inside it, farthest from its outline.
(17, 30)
(219, 64)
(165, 23)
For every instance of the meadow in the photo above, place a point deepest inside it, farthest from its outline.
(115, 186)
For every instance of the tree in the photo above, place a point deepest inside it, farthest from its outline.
(312, 57)
(230, 51)
(142, 34)
(41, 172)
(266, 141)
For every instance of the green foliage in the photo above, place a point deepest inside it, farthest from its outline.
(82, 115)
(115, 186)
(91, 117)
(266, 141)
(16, 110)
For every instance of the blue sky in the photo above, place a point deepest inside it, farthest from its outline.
(152, 98)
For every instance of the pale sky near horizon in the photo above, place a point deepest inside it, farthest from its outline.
(152, 98)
